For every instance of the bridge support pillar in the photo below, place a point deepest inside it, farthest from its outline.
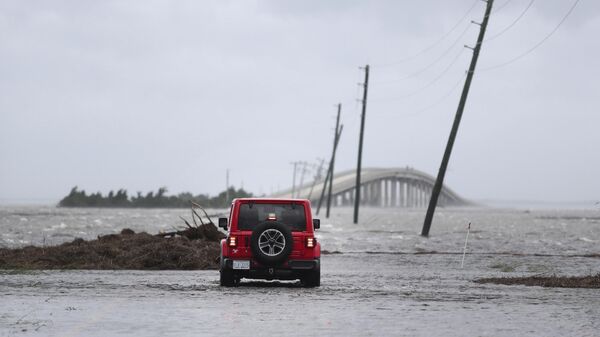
(427, 194)
(413, 193)
(363, 194)
(381, 193)
(377, 193)
(418, 195)
(402, 193)
(409, 195)
(393, 196)
(386, 191)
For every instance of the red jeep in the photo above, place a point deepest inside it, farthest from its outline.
(270, 239)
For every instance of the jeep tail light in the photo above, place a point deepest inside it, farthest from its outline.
(310, 242)
(232, 241)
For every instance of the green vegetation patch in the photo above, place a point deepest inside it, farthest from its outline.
(79, 198)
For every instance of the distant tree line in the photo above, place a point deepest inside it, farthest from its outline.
(79, 198)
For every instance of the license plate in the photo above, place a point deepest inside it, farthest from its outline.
(241, 264)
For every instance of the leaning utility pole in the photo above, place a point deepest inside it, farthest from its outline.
(316, 178)
(332, 163)
(439, 182)
(227, 187)
(360, 144)
(329, 174)
(294, 179)
(304, 164)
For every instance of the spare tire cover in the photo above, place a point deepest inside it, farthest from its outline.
(271, 242)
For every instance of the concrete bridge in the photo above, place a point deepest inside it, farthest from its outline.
(380, 187)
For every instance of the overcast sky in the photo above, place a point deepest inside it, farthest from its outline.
(143, 94)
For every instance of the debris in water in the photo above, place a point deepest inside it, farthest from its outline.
(196, 247)
(591, 281)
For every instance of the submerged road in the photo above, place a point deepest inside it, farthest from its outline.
(362, 295)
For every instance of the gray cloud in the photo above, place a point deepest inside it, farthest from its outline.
(143, 94)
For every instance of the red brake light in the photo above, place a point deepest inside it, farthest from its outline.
(311, 242)
(232, 242)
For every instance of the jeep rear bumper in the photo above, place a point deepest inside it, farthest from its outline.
(292, 270)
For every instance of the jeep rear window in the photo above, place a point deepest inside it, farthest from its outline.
(254, 213)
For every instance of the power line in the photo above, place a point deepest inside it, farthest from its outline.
(436, 102)
(512, 24)
(536, 46)
(427, 85)
(499, 8)
(427, 67)
(434, 44)
(356, 101)
(439, 100)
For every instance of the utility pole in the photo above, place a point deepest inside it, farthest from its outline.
(439, 182)
(360, 144)
(329, 169)
(316, 178)
(332, 163)
(304, 164)
(226, 187)
(294, 179)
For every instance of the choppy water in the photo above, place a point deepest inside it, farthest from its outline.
(379, 285)
(380, 230)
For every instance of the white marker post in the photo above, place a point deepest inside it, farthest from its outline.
(462, 263)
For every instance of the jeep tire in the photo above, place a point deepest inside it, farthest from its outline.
(226, 278)
(280, 244)
(312, 278)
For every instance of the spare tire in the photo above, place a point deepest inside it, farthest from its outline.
(271, 242)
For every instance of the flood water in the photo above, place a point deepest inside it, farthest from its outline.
(383, 279)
